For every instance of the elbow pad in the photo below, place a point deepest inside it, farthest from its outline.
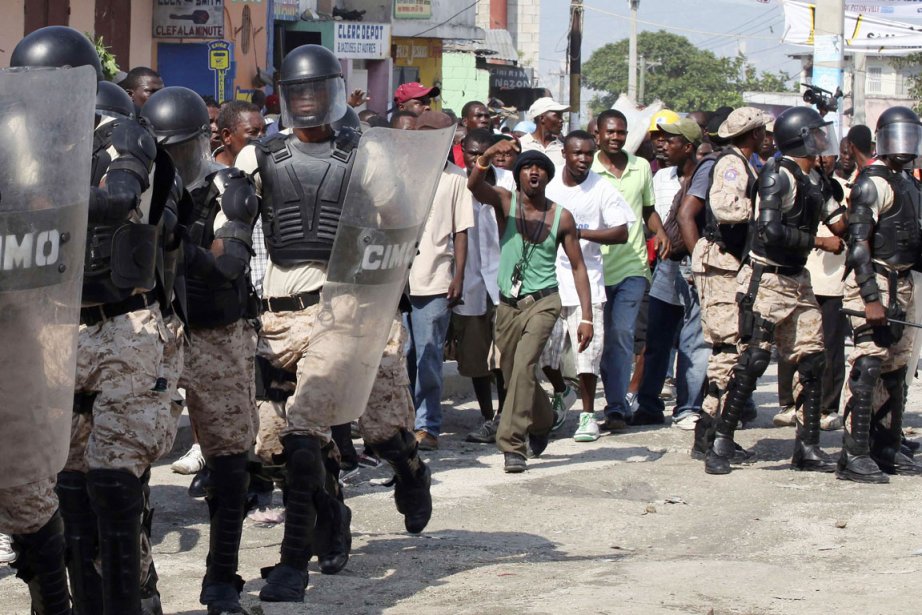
(136, 150)
(238, 196)
(121, 196)
(858, 258)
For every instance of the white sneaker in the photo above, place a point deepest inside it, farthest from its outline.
(588, 430)
(786, 418)
(562, 402)
(830, 422)
(7, 554)
(190, 463)
(687, 422)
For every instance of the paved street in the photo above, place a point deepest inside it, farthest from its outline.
(629, 524)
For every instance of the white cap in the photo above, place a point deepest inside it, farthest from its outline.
(543, 105)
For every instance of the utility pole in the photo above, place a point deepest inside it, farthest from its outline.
(575, 56)
(643, 72)
(828, 50)
(632, 53)
(859, 79)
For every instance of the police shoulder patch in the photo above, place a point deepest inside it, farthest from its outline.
(731, 174)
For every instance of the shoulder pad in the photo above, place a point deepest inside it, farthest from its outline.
(272, 143)
(347, 139)
(227, 175)
(833, 188)
(875, 170)
(864, 192)
(131, 138)
(772, 180)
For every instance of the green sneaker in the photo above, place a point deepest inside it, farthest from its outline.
(562, 403)
(588, 430)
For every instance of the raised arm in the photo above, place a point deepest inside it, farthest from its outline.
(496, 197)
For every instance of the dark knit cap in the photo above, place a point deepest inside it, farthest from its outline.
(529, 158)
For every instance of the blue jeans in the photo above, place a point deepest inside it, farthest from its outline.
(428, 325)
(623, 302)
(693, 355)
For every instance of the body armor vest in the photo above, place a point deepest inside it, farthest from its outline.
(730, 237)
(302, 196)
(897, 236)
(809, 200)
(121, 258)
(214, 301)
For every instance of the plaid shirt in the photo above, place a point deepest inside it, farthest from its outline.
(259, 260)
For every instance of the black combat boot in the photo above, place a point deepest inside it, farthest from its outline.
(287, 581)
(411, 479)
(333, 535)
(855, 462)
(746, 372)
(704, 436)
(885, 442)
(81, 530)
(41, 566)
(226, 497)
(808, 456)
(118, 500)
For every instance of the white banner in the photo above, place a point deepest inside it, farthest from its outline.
(889, 9)
(362, 40)
(863, 33)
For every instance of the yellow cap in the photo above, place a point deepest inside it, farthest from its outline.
(664, 116)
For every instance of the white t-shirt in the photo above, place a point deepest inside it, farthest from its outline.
(665, 185)
(481, 270)
(595, 204)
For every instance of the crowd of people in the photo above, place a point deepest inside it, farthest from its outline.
(234, 246)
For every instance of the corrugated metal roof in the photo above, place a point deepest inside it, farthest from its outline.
(496, 45)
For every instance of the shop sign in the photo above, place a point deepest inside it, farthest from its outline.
(286, 10)
(361, 40)
(509, 78)
(413, 9)
(188, 19)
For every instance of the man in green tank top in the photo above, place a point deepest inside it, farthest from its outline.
(531, 227)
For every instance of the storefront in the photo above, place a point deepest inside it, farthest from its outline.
(215, 47)
(417, 59)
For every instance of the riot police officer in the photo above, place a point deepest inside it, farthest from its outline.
(218, 373)
(302, 176)
(43, 168)
(777, 306)
(121, 406)
(884, 244)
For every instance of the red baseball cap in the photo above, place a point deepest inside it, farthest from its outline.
(409, 91)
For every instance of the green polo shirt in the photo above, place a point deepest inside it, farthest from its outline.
(636, 185)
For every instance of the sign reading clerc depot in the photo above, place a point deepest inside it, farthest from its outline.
(188, 19)
(362, 40)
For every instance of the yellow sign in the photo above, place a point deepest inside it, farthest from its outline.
(219, 59)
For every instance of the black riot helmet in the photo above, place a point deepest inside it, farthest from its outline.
(180, 121)
(56, 47)
(113, 101)
(349, 120)
(801, 132)
(899, 134)
(311, 87)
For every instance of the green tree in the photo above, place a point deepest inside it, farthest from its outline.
(684, 77)
(914, 80)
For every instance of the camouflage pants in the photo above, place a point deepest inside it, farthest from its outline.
(893, 357)
(25, 509)
(120, 361)
(720, 325)
(219, 378)
(174, 351)
(285, 340)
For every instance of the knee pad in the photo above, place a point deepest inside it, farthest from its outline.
(304, 461)
(753, 361)
(811, 366)
(864, 374)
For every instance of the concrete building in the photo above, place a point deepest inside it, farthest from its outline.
(521, 18)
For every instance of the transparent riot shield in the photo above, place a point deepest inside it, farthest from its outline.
(46, 117)
(386, 206)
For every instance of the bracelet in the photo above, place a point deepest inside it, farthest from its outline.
(479, 166)
(587, 322)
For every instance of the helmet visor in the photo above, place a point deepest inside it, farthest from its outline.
(899, 138)
(306, 104)
(821, 141)
(189, 157)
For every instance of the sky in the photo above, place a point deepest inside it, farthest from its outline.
(724, 27)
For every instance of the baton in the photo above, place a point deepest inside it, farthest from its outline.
(860, 314)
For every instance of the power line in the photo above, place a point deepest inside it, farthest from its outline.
(439, 25)
(668, 27)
